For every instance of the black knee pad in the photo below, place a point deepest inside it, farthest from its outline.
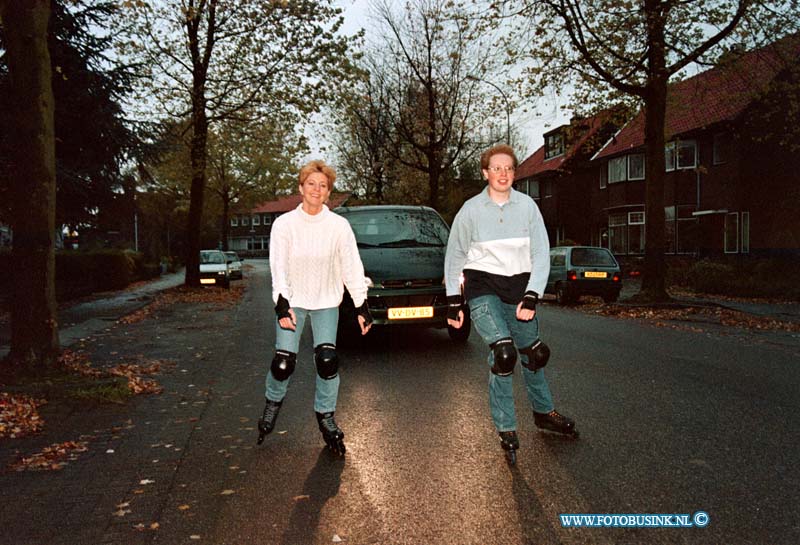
(538, 354)
(283, 364)
(505, 357)
(327, 361)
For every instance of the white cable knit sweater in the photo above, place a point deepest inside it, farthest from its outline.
(312, 258)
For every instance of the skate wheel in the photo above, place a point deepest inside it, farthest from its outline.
(261, 437)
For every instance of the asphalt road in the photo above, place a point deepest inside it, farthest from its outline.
(671, 421)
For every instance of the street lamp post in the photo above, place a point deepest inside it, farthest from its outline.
(505, 99)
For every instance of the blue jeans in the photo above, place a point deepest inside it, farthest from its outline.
(495, 320)
(323, 328)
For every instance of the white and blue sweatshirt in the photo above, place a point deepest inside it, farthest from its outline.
(502, 249)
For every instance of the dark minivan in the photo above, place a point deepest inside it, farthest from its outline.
(402, 248)
(583, 270)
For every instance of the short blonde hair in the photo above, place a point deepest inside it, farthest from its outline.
(500, 149)
(318, 165)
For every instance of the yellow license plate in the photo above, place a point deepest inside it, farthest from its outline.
(595, 274)
(407, 313)
(208, 281)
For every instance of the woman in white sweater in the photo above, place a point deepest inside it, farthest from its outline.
(313, 255)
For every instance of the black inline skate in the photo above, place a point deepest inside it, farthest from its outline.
(556, 423)
(267, 421)
(331, 433)
(510, 443)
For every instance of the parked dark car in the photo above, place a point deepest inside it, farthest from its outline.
(402, 248)
(583, 270)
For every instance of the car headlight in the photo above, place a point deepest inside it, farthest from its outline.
(220, 272)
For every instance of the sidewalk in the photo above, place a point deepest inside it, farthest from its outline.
(127, 459)
(83, 317)
(786, 311)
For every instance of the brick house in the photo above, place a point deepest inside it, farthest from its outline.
(558, 176)
(249, 230)
(728, 190)
(723, 181)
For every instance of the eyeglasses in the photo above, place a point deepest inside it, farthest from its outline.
(497, 170)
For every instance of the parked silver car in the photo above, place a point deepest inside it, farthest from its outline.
(235, 265)
(214, 269)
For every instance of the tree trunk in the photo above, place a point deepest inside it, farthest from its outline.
(226, 222)
(34, 327)
(653, 277)
(198, 158)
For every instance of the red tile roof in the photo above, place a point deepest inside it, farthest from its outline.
(716, 95)
(536, 163)
(290, 202)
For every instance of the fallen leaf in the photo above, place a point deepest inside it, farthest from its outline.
(183, 507)
(227, 492)
(301, 497)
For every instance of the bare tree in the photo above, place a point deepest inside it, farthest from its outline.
(34, 329)
(429, 75)
(631, 49)
(210, 60)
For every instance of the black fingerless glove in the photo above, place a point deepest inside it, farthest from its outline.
(363, 311)
(454, 305)
(529, 300)
(282, 308)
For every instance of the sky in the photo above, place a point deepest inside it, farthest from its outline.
(532, 127)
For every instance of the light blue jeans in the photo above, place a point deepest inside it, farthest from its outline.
(495, 320)
(323, 328)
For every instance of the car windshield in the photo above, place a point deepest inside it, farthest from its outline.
(592, 257)
(393, 228)
(212, 257)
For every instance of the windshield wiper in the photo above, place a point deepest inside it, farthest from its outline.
(407, 243)
(366, 245)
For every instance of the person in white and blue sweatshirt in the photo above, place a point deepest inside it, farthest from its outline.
(499, 242)
(312, 255)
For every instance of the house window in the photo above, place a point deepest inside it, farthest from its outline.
(636, 232)
(636, 166)
(603, 177)
(669, 156)
(687, 154)
(547, 188)
(680, 154)
(553, 145)
(533, 189)
(723, 144)
(617, 170)
(234, 221)
(618, 233)
(267, 219)
(682, 231)
(256, 220)
(245, 220)
(745, 232)
(731, 232)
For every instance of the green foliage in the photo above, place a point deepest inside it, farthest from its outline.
(115, 392)
(773, 277)
(80, 273)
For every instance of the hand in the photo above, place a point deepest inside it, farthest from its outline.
(364, 325)
(524, 314)
(364, 317)
(457, 323)
(526, 309)
(455, 311)
(288, 322)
